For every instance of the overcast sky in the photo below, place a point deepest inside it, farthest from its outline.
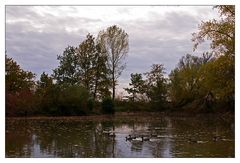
(35, 35)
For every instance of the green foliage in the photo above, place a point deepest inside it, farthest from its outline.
(85, 58)
(46, 95)
(218, 76)
(185, 80)
(101, 73)
(45, 81)
(85, 66)
(153, 90)
(73, 101)
(196, 77)
(108, 106)
(67, 73)
(137, 86)
(156, 85)
(94, 74)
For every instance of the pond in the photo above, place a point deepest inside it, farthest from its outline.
(151, 135)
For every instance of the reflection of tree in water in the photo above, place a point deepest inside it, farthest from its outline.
(137, 146)
(105, 144)
(54, 138)
(73, 139)
(77, 138)
(18, 139)
(163, 147)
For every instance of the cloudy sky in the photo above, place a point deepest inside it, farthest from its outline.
(35, 35)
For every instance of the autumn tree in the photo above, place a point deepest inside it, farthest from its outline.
(218, 77)
(17, 79)
(19, 89)
(220, 73)
(221, 32)
(186, 79)
(114, 42)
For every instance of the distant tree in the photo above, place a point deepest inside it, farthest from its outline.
(46, 95)
(108, 106)
(156, 86)
(67, 72)
(137, 86)
(45, 81)
(114, 42)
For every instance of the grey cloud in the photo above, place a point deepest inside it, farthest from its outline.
(48, 21)
(37, 49)
(172, 24)
(16, 12)
(159, 40)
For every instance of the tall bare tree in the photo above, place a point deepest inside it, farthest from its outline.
(115, 43)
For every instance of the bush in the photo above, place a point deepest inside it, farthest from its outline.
(90, 104)
(108, 106)
(21, 103)
(73, 101)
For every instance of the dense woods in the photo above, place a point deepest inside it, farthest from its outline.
(85, 80)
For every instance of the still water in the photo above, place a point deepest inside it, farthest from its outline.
(105, 136)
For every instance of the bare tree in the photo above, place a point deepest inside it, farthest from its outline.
(115, 43)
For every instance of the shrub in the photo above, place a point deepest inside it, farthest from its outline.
(20, 103)
(73, 101)
(90, 104)
(108, 106)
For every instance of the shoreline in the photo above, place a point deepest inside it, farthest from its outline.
(225, 116)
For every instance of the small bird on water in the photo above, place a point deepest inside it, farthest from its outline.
(145, 138)
(129, 138)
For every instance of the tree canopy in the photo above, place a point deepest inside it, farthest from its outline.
(114, 42)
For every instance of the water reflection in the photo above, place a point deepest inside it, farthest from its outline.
(168, 137)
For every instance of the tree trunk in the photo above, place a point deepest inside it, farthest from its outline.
(95, 89)
(113, 82)
(113, 90)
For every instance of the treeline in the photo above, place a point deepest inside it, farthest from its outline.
(85, 80)
(198, 83)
